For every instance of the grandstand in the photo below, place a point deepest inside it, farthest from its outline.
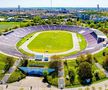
(9, 40)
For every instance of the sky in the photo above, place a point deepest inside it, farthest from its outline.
(55, 3)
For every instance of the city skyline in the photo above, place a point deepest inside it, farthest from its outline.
(55, 3)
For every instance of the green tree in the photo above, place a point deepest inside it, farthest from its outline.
(55, 62)
(24, 61)
(89, 58)
(85, 72)
(69, 23)
(45, 74)
(55, 57)
(37, 19)
(105, 62)
(9, 63)
(80, 59)
(71, 75)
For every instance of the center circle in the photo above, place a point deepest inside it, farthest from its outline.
(52, 42)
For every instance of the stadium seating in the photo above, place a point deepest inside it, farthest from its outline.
(9, 40)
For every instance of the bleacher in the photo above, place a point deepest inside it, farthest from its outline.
(9, 40)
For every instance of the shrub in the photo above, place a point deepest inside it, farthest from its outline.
(16, 76)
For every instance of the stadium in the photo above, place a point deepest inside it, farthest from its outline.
(53, 45)
(68, 41)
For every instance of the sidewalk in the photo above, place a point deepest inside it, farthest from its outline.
(11, 70)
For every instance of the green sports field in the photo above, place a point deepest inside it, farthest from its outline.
(52, 41)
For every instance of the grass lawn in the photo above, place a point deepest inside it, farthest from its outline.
(82, 41)
(15, 76)
(2, 64)
(99, 56)
(8, 25)
(52, 41)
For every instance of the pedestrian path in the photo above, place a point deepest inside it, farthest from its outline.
(11, 70)
(61, 79)
(101, 68)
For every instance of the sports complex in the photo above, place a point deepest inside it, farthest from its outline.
(49, 40)
(57, 49)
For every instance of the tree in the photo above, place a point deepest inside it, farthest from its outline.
(37, 19)
(24, 61)
(9, 62)
(71, 75)
(45, 74)
(105, 62)
(92, 25)
(56, 62)
(69, 23)
(96, 74)
(85, 73)
(89, 58)
(105, 30)
(80, 59)
(55, 57)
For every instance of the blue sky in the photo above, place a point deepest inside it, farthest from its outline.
(55, 3)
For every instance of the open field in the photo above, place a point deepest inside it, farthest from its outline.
(52, 41)
(8, 25)
(99, 56)
(2, 65)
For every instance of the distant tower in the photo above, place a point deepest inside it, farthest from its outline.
(19, 9)
(98, 7)
(51, 3)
